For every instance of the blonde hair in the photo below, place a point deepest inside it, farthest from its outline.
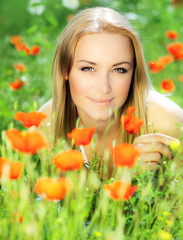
(88, 21)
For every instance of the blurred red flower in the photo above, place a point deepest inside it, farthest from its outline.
(69, 160)
(175, 48)
(15, 39)
(181, 78)
(17, 84)
(35, 50)
(29, 142)
(155, 66)
(120, 190)
(26, 49)
(171, 34)
(125, 155)
(166, 59)
(30, 119)
(20, 67)
(10, 170)
(167, 85)
(53, 189)
(132, 124)
(81, 136)
(17, 217)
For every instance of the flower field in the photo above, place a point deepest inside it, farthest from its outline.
(48, 194)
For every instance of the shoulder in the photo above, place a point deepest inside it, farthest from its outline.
(47, 109)
(45, 127)
(164, 114)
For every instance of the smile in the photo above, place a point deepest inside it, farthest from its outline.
(101, 102)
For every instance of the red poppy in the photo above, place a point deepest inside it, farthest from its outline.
(179, 56)
(167, 85)
(15, 39)
(53, 189)
(166, 59)
(10, 170)
(35, 50)
(181, 78)
(19, 46)
(81, 136)
(20, 67)
(30, 119)
(29, 142)
(171, 34)
(120, 190)
(175, 48)
(26, 49)
(69, 160)
(132, 124)
(17, 217)
(125, 155)
(17, 84)
(155, 66)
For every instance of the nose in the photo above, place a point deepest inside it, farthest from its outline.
(103, 83)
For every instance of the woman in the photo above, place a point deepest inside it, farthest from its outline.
(99, 67)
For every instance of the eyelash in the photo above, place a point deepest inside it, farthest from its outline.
(90, 69)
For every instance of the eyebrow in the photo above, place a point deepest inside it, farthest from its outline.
(116, 64)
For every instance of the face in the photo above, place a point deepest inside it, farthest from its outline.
(101, 75)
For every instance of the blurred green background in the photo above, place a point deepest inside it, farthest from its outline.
(40, 22)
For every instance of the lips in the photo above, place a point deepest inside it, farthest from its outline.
(102, 102)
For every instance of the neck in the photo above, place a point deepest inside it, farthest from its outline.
(109, 129)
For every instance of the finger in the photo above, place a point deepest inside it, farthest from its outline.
(149, 157)
(156, 137)
(151, 166)
(155, 147)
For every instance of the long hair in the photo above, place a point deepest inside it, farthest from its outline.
(88, 21)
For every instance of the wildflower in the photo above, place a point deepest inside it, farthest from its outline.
(17, 217)
(125, 155)
(69, 17)
(30, 119)
(181, 78)
(166, 59)
(81, 136)
(53, 189)
(69, 160)
(15, 194)
(29, 142)
(163, 235)
(175, 48)
(167, 85)
(35, 50)
(97, 233)
(132, 124)
(20, 67)
(10, 170)
(155, 66)
(120, 190)
(26, 49)
(179, 56)
(19, 46)
(175, 145)
(17, 84)
(15, 39)
(171, 34)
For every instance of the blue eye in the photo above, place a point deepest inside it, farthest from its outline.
(120, 70)
(87, 69)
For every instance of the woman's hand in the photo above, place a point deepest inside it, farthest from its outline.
(152, 147)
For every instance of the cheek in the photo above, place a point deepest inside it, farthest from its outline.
(122, 88)
(77, 86)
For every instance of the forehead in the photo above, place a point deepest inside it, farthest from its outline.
(104, 45)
